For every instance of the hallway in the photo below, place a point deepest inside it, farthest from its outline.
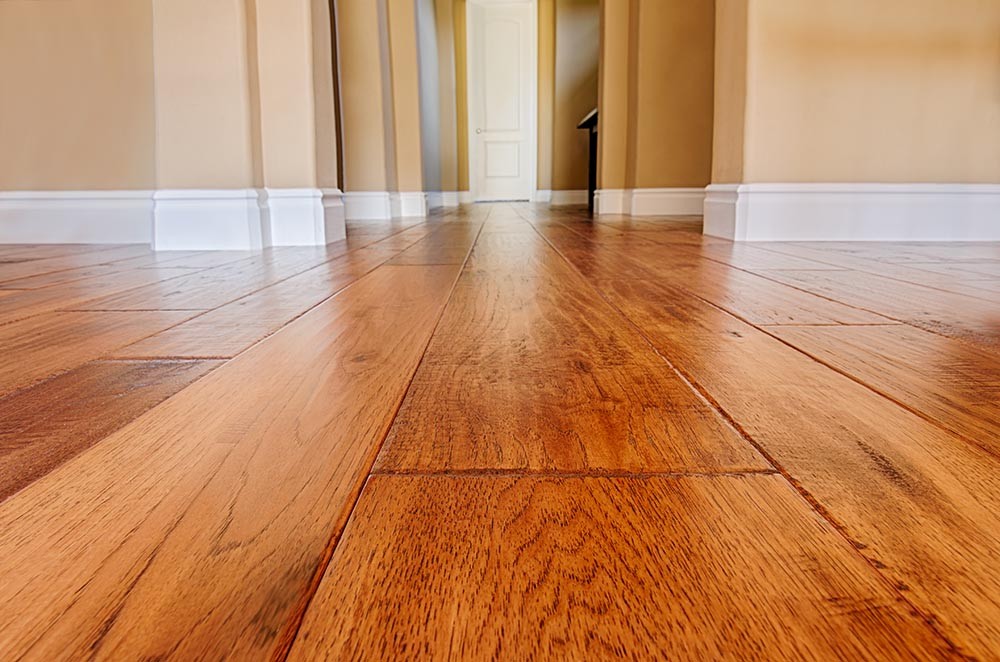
(502, 432)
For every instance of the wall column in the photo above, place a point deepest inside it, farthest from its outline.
(236, 126)
(655, 103)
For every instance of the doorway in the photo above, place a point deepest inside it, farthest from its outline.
(502, 73)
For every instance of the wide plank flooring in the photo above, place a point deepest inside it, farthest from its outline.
(501, 432)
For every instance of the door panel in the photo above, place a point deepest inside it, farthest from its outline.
(502, 80)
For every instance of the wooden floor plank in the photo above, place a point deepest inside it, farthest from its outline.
(209, 289)
(60, 277)
(48, 344)
(196, 531)
(448, 244)
(533, 371)
(44, 426)
(16, 270)
(967, 318)
(230, 329)
(922, 504)
(476, 568)
(754, 298)
(78, 294)
(950, 382)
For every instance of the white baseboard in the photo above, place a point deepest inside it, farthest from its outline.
(303, 216)
(408, 204)
(436, 199)
(466, 198)
(612, 201)
(542, 195)
(853, 212)
(668, 201)
(208, 219)
(367, 205)
(650, 201)
(558, 198)
(76, 217)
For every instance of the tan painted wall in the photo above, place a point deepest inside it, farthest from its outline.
(405, 77)
(730, 90)
(287, 103)
(203, 102)
(76, 111)
(577, 31)
(462, 92)
(674, 95)
(361, 95)
(323, 82)
(887, 91)
(546, 91)
(613, 93)
(656, 93)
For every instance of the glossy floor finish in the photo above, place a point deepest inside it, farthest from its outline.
(505, 432)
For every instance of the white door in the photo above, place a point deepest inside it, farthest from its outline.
(502, 64)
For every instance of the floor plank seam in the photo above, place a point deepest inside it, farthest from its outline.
(542, 473)
(870, 271)
(291, 632)
(814, 503)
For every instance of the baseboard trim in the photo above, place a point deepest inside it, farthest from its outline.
(383, 205)
(667, 201)
(612, 201)
(853, 212)
(650, 201)
(572, 197)
(76, 217)
(303, 216)
(408, 204)
(208, 219)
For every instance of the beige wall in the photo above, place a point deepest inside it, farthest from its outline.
(287, 108)
(324, 95)
(577, 33)
(656, 93)
(203, 102)
(730, 90)
(76, 110)
(887, 91)
(405, 82)
(546, 91)
(674, 93)
(361, 96)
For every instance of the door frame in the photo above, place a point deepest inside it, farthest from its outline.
(473, 85)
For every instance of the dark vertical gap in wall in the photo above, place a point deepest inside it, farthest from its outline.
(339, 125)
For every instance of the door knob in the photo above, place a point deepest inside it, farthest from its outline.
(479, 130)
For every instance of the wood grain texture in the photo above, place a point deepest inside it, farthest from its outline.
(230, 329)
(77, 294)
(48, 344)
(196, 531)
(449, 244)
(754, 298)
(74, 260)
(919, 502)
(205, 290)
(44, 426)
(533, 371)
(478, 568)
(954, 315)
(949, 382)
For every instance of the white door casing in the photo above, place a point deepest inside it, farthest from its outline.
(502, 59)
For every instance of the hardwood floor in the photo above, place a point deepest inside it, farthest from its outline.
(502, 432)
